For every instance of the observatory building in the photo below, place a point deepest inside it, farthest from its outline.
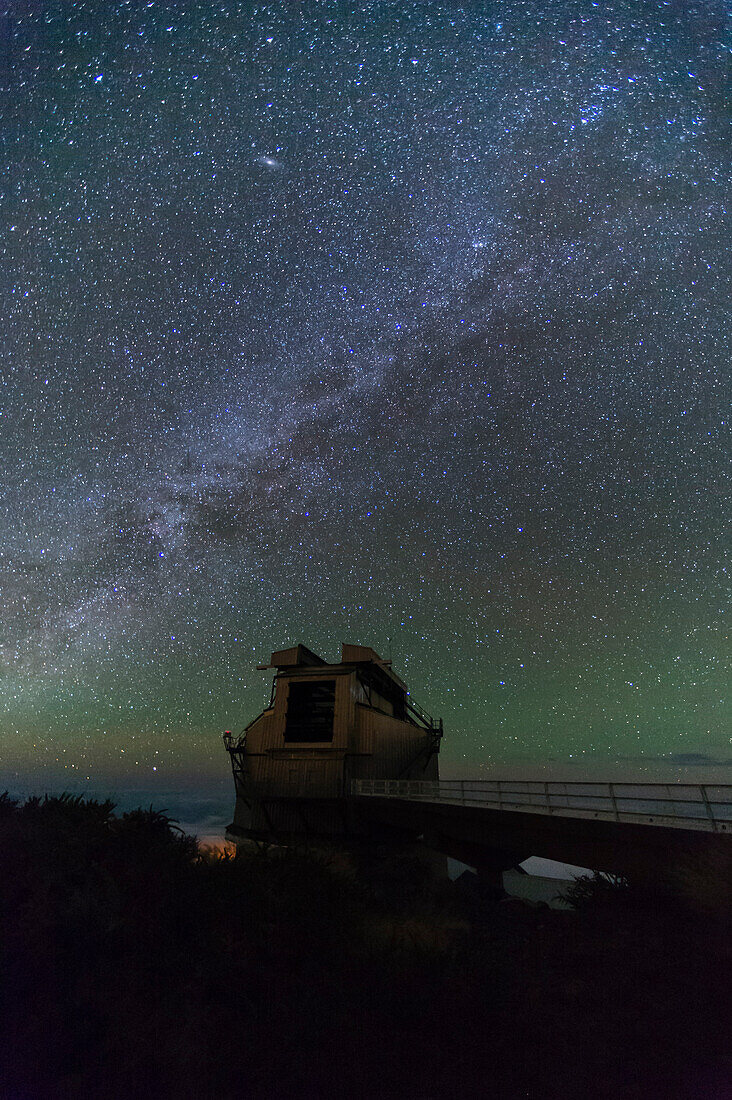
(326, 725)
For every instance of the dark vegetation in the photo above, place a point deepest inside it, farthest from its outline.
(133, 965)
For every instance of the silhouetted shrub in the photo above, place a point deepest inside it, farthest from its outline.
(131, 964)
(8, 806)
(598, 888)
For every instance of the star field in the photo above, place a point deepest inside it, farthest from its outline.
(400, 324)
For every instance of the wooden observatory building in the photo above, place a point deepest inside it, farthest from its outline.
(326, 725)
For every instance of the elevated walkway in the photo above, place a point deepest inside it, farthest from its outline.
(672, 805)
(625, 828)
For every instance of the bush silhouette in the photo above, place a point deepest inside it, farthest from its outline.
(133, 964)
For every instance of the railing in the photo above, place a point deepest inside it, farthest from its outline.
(233, 743)
(414, 708)
(236, 747)
(677, 805)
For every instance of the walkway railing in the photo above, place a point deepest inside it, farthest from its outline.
(676, 805)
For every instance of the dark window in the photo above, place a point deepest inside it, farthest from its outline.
(310, 711)
(400, 710)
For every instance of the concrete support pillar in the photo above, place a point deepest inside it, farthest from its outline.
(491, 879)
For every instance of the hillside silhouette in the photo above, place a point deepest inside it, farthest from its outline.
(134, 964)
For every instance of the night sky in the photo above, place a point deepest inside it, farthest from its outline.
(393, 323)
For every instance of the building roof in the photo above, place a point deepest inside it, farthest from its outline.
(299, 656)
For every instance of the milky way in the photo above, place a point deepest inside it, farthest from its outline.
(400, 324)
